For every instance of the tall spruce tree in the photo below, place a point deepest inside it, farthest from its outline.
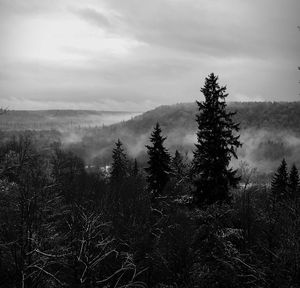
(279, 183)
(119, 169)
(216, 144)
(158, 169)
(293, 182)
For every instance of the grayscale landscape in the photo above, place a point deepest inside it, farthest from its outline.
(149, 144)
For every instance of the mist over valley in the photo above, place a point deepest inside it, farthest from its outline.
(269, 131)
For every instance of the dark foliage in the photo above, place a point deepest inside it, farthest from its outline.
(54, 234)
(294, 183)
(216, 144)
(119, 167)
(158, 169)
(280, 182)
(67, 224)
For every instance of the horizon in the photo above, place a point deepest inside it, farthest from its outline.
(133, 111)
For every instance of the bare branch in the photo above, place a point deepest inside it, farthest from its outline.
(47, 273)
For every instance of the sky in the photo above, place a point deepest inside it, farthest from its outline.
(135, 55)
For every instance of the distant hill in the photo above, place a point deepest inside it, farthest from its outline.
(269, 131)
(60, 119)
(262, 115)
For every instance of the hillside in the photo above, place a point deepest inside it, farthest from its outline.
(262, 115)
(269, 132)
(60, 119)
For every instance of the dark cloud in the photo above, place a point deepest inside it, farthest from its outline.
(94, 17)
(230, 28)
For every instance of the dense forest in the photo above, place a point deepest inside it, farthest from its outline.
(172, 220)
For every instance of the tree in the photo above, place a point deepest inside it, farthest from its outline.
(158, 169)
(68, 174)
(96, 260)
(119, 169)
(178, 166)
(216, 145)
(135, 169)
(279, 183)
(293, 182)
(28, 229)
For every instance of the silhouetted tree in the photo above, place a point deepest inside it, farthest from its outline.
(158, 164)
(293, 182)
(280, 182)
(216, 145)
(135, 169)
(119, 169)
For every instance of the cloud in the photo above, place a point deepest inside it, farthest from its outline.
(146, 52)
(94, 17)
(235, 28)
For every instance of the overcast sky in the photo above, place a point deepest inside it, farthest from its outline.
(139, 54)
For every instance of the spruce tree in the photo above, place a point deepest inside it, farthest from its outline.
(279, 183)
(158, 169)
(216, 144)
(117, 201)
(135, 169)
(119, 169)
(293, 182)
(178, 166)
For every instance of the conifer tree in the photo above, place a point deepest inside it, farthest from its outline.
(135, 169)
(294, 182)
(158, 169)
(216, 144)
(279, 183)
(119, 169)
(178, 166)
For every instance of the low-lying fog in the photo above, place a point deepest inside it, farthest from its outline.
(89, 134)
(262, 149)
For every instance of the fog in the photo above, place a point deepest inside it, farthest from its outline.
(261, 149)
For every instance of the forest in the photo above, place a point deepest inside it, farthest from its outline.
(169, 219)
(269, 131)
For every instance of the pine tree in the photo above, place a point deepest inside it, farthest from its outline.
(135, 169)
(119, 169)
(293, 182)
(216, 145)
(158, 169)
(178, 166)
(279, 183)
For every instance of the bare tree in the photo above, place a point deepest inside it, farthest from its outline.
(95, 254)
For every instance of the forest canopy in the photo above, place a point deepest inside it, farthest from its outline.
(172, 221)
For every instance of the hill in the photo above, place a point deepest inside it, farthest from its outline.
(259, 115)
(60, 119)
(269, 130)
